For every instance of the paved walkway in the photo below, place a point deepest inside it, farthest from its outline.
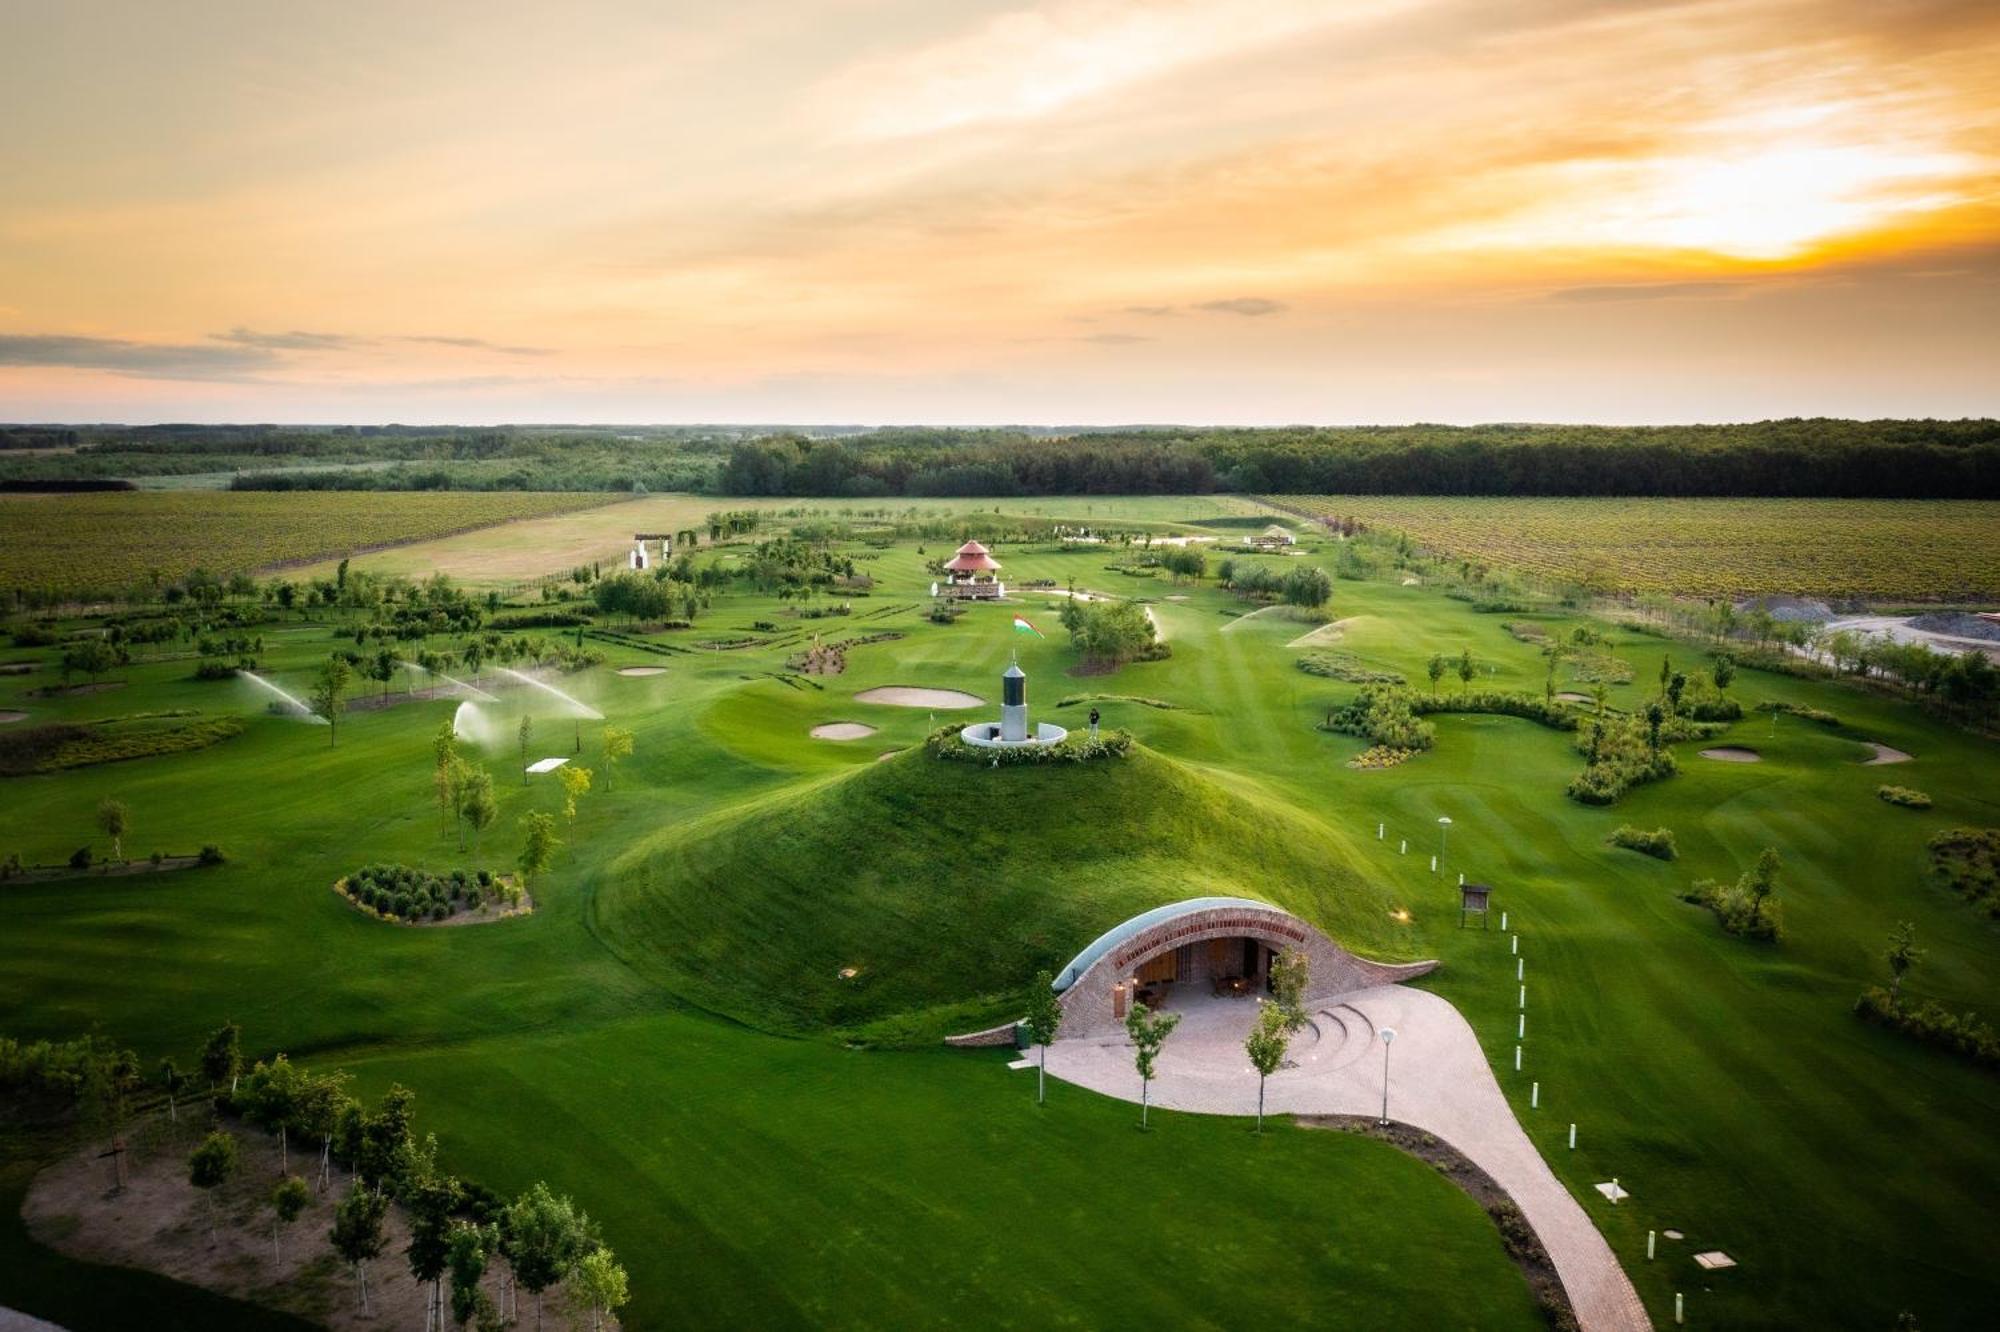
(1439, 1082)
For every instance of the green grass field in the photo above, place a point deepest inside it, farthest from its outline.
(666, 1038)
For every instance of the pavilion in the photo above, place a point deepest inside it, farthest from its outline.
(972, 574)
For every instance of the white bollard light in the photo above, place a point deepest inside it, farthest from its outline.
(1535, 1102)
(1520, 967)
(1503, 921)
(1521, 1031)
(1517, 1059)
(1572, 1137)
(1403, 847)
(1524, 997)
(1650, 1236)
(1461, 878)
(1615, 1190)
(1434, 864)
(1680, 1312)
(1514, 944)
(1380, 830)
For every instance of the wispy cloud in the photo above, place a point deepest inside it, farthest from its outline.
(1243, 305)
(294, 340)
(1645, 291)
(151, 360)
(476, 344)
(1150, 311)
(1114, 339)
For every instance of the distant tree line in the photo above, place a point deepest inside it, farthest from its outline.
(1794, 457)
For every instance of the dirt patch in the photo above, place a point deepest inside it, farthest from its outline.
(845, 730)
(910, 696)
(162, 1224)
(1884, 754)
(6, 717)
(1523, 1245)
(635, 672)
(1732, 754)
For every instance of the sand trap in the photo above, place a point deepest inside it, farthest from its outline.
(642, 670)
(1731, 754)
(1571, 696)
(6, 717)
(908, 696)
(1883, 753)
(842, 731)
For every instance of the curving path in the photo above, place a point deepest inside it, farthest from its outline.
(1439, 1082)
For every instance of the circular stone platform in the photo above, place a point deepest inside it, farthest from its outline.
(843, 730)
(642, 670)
(1732, 754)
(909, 696)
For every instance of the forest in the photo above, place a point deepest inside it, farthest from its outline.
(1796, 457)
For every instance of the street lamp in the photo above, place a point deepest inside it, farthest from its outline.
(1388, 1035)
(1444, 832)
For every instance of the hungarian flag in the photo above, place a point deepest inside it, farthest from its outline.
(1022, 626)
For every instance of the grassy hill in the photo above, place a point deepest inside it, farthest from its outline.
(946, 886)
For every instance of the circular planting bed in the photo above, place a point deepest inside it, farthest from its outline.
(907, 696)
(1732, 754)
(842, 731)
(642, 670)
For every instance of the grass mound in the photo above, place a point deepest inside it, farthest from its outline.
(942, 888)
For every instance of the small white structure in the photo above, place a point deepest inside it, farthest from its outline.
(641, 557)
(1013, 728)
(1273, 537)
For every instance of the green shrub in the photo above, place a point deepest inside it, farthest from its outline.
(1904, 796)
(1659, 843)
(1967, 861)
(947, 743)
(1346, 667)
(1381, 715)
(414, 894)
(1820, 715)
(1749, 907)
(1931, 1023)
(79, 859)
(1559, 716)
(211, 854)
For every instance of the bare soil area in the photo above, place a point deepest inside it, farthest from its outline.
(161, 1223)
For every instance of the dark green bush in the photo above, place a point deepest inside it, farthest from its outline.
(1931, 1023)
(1381, 715)
(1659, 843)
(1904, 796)
(946, 743)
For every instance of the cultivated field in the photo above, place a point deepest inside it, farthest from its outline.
(1878, 550)
(95, 542)
(671, 1037)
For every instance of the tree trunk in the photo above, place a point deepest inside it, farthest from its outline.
(1042, 1079)
(1145, 1087)
(1260, 1102)
(284, 1152)
(277, 1255)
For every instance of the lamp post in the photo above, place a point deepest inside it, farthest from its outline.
(1388, 1036)
(1444, 833)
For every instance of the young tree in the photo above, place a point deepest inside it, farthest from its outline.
(1764, 877)
(468, 1249)
(1676, 687)
(329, 694)
(1725, 670)
(1270, 1037)
(1656, 716)
(1903, 954)
(1666, 672)
(477, 805)
(444, 753)
(1466, 670)
(288, 1201)
(173, 1080)
(1043, 1021)
(382, 669)
(222, 1056)
(272, 1097)
(1549, 680)
(1149, 1031)
(357, 1233)
(596, 1284)
(1436, 670)
(527, 737)
(1307, 587)
(575, 782)
(539, 848)
(1600, 694)
(617, 746)
(113, 817)
(210, 1166)
(430, 1196)
(546, 1237)
(1291, 972)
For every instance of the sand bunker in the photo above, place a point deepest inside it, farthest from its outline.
(1571, 696)
(907, 696)
(842, 731)
(6, 717)
(1883, 753)
(1731, 754)
(642, 670)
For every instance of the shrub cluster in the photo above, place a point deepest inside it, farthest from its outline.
(1659, 843)
(947, 743)
(1820, 715)
(1967, 861)
(58, 745)
(1381, 715)
(1559, 716)
(1748, 907)
(1904, 796)
(1346, 667)
(1932, 1023)
(1380, 756)
(400, 893)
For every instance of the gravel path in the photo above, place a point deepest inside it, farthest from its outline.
(1439, 1082)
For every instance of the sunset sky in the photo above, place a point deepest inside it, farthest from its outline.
(1255, 211)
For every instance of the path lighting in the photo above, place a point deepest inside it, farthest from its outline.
(1444, 832)
(1388, 1036)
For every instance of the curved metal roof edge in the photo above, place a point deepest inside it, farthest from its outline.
(1142, 922)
